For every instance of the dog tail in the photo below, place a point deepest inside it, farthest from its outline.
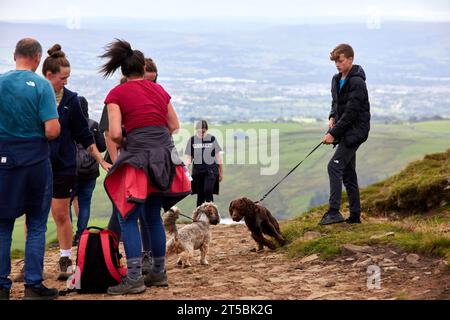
(169, 221)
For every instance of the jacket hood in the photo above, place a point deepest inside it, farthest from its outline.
(357, 71)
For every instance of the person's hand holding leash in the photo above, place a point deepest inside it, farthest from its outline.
(328, 139)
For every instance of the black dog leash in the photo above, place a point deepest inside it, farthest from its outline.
(186, 216)
(273, 188)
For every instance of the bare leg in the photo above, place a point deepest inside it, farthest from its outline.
(60, 212)
(75, 205)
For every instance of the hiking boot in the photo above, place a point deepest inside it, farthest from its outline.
(128, 286)
(40, 293)
(20, 276)
(331, 217)
(146, 263)
(4, 293)
(65, 268)
(156, 279)
(353, 218)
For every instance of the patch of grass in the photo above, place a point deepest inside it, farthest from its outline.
(415, 234)
(401, 296)
(17, 254)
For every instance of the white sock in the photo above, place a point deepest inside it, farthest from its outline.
(66, 253)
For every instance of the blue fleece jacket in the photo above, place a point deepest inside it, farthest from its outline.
(74, 129)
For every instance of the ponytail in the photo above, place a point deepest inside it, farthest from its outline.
(121, 55)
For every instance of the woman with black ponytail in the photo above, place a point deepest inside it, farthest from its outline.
(148, 173)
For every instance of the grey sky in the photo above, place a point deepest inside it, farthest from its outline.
(428, 10)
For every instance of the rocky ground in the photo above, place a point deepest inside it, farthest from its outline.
(236, 272)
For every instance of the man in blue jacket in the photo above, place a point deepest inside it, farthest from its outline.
(28, 120)
(349, 125)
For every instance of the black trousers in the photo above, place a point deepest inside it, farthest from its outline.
(204, 183)
(342, 169)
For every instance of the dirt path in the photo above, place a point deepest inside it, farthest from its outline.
(237, 273)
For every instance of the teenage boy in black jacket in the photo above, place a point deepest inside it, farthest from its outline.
(349, 125)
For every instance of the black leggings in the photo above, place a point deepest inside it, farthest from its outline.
(204, 183)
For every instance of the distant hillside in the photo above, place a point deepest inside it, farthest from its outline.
(265, 72)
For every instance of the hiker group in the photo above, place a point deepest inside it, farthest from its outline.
(50, 154)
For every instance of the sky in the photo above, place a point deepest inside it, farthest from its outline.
(415, 10)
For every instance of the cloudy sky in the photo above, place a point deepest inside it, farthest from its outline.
(422, 10)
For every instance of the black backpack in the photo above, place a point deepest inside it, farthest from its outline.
(98, 262)
(86, 164)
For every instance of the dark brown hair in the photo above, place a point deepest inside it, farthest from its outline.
(150, 65)
(120, 54)
(344, 48)
(55, 60)
(202, 124)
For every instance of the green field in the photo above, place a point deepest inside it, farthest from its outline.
(389, 149)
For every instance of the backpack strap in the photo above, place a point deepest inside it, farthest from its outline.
(81, 254)
(116, 274)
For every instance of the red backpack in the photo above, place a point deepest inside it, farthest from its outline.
(98, 262)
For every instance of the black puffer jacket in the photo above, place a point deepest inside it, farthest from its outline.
(350, 108)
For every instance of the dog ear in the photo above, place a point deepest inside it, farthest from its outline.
(196, 214)
(231, 206)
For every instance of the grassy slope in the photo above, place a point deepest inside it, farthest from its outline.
(421, 193)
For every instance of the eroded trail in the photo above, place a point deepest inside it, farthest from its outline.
(235, 272)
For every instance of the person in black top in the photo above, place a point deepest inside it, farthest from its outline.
(203, 152)
(87, 174)
(349, 125)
